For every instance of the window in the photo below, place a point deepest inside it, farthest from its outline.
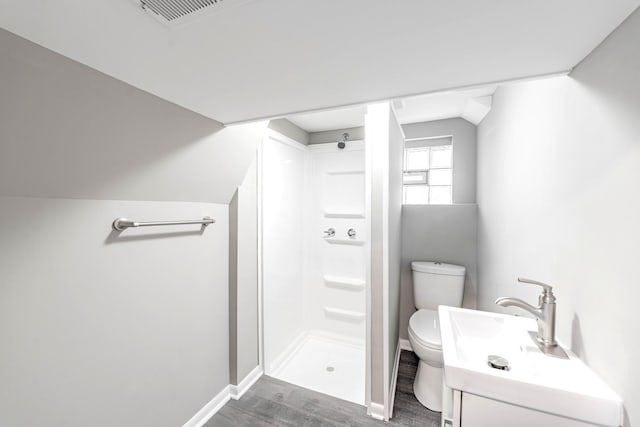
(428, 172)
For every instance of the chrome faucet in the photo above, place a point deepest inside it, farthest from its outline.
(545, 312)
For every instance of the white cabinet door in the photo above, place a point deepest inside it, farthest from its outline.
(482, 412)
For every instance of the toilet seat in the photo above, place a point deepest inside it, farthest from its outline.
(424, 336)
(424, 325)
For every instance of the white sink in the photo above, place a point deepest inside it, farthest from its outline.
(561, 386)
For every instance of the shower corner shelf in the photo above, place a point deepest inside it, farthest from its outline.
(344, 283)
(349, 242)
(347, 172)
(346, 215)
(344, 315)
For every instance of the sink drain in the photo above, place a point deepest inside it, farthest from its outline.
(497, 362)
(330, 369)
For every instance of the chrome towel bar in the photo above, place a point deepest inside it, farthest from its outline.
(120, 224)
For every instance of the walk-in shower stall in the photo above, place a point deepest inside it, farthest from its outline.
(314, 259)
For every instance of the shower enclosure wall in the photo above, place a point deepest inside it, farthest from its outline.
(314, 265)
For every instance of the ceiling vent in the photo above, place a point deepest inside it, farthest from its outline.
(175, 11)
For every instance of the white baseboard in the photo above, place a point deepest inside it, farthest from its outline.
(237, 391)
(405, 344)
(376, 411)
(209, 410)
(394, 378)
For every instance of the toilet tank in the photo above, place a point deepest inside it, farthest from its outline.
(437, 283)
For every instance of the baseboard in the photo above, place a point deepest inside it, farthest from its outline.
(236, 391)
(376, 411)
(394, 378)
(405, 344)
(209, 410)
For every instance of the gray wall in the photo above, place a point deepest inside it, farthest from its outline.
(396, 167)
(101, 327)
(69, 131)
(233, 290)
(443, 233)
(463, 136)
(355, 134)
(290, 130)
(559, 167)
(446, 233)
(126, 329)
(243, 278)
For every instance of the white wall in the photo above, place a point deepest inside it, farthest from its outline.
(376, 143)
(396, 167)
(383, 157)
(101, 327)
(559, 167)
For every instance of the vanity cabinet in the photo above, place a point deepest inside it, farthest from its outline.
(479, 411)
(461, 409)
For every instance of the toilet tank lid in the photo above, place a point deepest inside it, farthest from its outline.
(438, 268)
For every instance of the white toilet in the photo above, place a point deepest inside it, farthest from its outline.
(434, 284)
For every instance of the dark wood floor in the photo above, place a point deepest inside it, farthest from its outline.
(271, 402)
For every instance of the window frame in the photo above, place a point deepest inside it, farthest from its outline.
(429, 144)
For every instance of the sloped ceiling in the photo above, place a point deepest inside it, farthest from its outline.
(444, 105)
(268, 58)
(67, 131)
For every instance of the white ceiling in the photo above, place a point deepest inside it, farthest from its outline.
(422, 108)
(341, 118)
(269, 58)
(442, 105)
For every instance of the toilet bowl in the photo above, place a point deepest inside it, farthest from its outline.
(434, 284)
(424, 336)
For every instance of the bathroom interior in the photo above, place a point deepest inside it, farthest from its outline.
(460, 254)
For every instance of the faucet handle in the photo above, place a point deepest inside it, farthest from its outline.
(547, 290)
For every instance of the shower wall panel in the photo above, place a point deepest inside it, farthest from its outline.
(283, 195)
(335, 276)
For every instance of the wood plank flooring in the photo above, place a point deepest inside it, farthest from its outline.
(271, 402)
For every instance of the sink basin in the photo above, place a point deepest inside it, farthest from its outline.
(563, 386)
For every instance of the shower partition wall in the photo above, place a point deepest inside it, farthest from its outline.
(314, 265)
(282, 173)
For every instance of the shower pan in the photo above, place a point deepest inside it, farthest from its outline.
(314, 265)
